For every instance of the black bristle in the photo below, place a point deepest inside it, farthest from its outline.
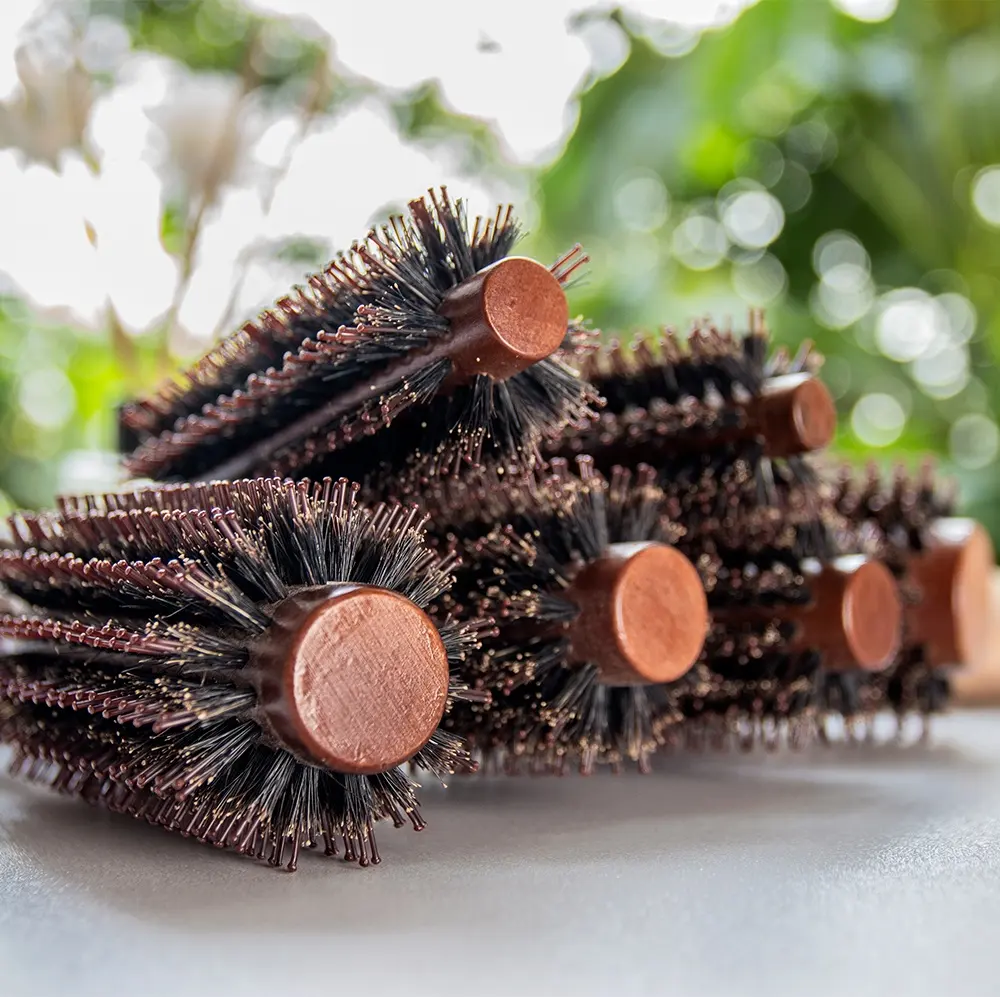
(361, 341)
(125, 683)
(753, 687)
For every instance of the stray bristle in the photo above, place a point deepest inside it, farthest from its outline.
(367, 346)
(126, 682)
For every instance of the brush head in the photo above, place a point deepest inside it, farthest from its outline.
(643, 614)
(727, 424)
(854, 617)
(351, 677)
(953, 573)
(596, 614)
(794, 414)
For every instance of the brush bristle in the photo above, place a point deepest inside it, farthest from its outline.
(751, 687)
(662, 392)
(373, 310)
(125, 683)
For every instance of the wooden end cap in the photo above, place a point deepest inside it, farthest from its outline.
(795, 414)
(855, 616)
(351, 677)
(643, 614)
(953, 573)
(505, 318)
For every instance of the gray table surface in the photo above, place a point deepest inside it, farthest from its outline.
(852, 871)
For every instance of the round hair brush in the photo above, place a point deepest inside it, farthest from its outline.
(667, 396)
(247, 663)
(944, 566)
(727, 427)
(784, 629)
(598, 615)
(429, 325)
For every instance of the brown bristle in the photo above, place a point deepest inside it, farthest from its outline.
(330, 297)
(673, 393)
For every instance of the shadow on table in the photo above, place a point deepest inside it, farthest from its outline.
(693, 806)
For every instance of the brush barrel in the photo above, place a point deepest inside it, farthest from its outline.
(643, 615)
(350, 677)
(504, 319)
(794, 414)
(953, 572)
(855, 616)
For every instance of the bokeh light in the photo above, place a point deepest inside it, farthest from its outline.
(867, 10)
(909, 322)
(753, 218)
(986, 194)
(700, 242)
(878, 419)
(641, 202)
(974, 441)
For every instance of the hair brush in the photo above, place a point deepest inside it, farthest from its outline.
(785, 632)
(247, 663)
(666, 397)
(944, 566)
(598, 615)
(429, 325)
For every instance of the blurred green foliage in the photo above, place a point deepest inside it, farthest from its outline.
(874, 131)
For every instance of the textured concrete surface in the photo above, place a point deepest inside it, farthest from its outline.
(848, 872)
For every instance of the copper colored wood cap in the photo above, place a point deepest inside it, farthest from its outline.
(643, 614)
(953, 618)
(351, 677)
(855, 617)
(505, 318)
(795, 413)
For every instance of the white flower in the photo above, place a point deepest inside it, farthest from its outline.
(49, 109)
(207, 125)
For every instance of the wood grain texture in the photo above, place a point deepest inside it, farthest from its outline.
(643, 614)
(504, 319)
(351, 677)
